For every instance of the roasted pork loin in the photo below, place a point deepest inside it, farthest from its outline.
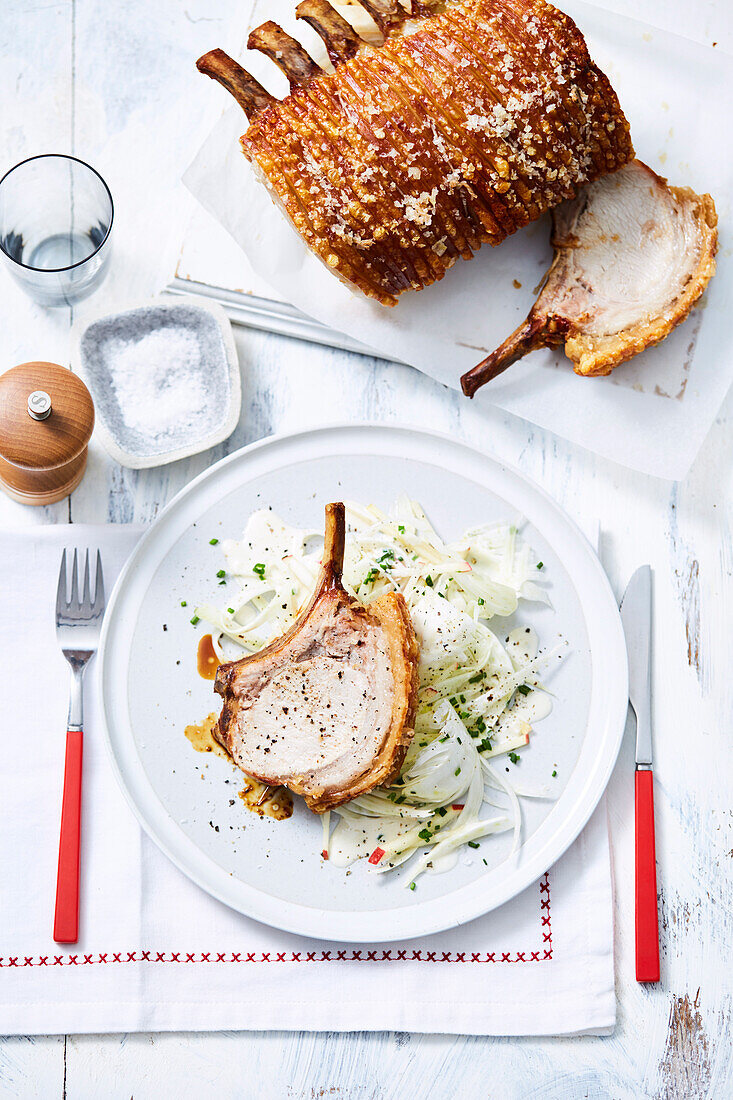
(471, 119)
(328, 708)
(632, 256)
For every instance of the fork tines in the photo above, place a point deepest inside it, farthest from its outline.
(85, 605)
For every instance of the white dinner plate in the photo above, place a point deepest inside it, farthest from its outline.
(272, 870)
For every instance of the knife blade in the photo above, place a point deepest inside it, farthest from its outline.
(636, 616)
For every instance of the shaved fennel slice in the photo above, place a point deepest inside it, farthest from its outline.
(378, 804)
(456, 839)
(449, 832)
(442, 772)
(497, 780)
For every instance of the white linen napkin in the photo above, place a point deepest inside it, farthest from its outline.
(156, 953)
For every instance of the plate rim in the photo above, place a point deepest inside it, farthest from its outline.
(324, 924)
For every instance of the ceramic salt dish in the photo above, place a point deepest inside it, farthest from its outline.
(165, 381)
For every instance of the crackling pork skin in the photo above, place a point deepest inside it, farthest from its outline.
(468, 121)
(632, 256)
(328, 708)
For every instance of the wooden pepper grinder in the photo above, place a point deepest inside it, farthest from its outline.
(46, 419)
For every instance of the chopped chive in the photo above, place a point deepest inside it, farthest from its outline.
(425, 834)
(481, 601)
(230, 610)
(524, 689)
(514, 757)
(485, 745)
(473, 844)
(457, 771)
(554, 774)
(444, 738)
(183, 603)
(222, 582)
(429, 581)
(401, 528)
(475, 679)
(221, 573)
(540, 564)
(195, 620)
(412, 885)
(259, 569)
(442, 811)
(213, 542)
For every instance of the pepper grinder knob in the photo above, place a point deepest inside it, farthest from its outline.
(46, 421)
(39, 405)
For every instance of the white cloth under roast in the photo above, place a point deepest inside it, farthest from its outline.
(156, 953)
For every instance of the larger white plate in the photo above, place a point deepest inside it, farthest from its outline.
(150, 689)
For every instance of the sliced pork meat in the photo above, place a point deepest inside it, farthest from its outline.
(632, 256)
(328, 708)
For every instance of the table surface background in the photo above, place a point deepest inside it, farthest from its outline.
(115, 84)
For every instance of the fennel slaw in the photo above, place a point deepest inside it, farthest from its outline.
(478, 695)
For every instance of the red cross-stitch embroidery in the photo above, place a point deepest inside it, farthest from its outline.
(357, 955)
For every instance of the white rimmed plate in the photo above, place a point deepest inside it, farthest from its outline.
(187, 802)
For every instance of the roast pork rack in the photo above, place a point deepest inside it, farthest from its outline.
(469, 120)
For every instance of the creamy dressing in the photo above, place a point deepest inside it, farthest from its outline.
(519, 720)
(351, 841)
(522, 644)
(535, 706)
(440, 864)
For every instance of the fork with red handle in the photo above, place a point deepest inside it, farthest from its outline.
(78, 625)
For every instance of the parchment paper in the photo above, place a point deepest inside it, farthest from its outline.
(651, 414)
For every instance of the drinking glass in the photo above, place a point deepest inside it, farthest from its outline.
(56, 216)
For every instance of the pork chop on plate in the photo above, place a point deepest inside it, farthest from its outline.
(327, 709)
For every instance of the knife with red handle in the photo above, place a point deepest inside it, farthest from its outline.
(636, 615)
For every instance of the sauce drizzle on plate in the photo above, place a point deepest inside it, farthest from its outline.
(207, 661)
(201, 736)
(275, 802)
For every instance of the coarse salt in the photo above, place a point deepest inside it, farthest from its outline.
(157, 381)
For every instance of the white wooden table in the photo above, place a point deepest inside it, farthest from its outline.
(116, 85)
